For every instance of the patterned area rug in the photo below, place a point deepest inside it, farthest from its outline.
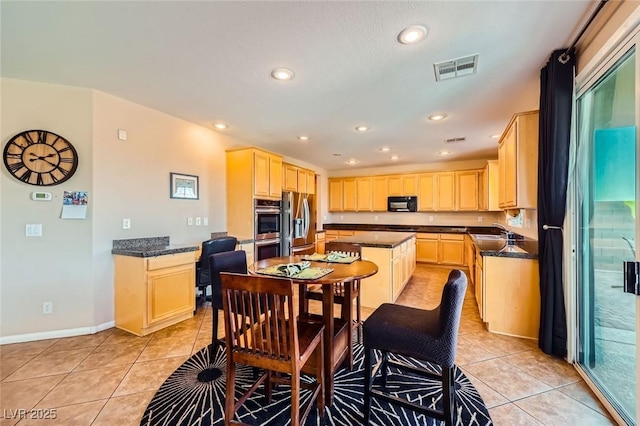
(194, 395)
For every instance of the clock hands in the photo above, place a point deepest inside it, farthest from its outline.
(43, 157)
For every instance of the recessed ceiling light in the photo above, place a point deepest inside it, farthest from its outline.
(337, 154)
(412, 34)
(385, 149)
(282, 74)
(352, 161)
(303, 138)
(437, 117)
(444, 152)
(220, 126)
(362, 128)
(495, 136)
(394, 157)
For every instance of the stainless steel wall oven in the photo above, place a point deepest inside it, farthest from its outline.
(268, 220)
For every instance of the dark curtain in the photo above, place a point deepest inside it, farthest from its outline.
(556, 91)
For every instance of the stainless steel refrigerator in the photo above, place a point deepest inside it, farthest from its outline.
(298, 232)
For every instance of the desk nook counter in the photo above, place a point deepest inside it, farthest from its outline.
(154, 284)
(395, 255)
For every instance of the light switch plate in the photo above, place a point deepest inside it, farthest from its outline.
(33, 230)
(190, 221)
(126, 223)
(206, 221)
(198, 221)
(122, 134)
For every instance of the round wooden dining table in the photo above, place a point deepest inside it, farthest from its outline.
(337, 332)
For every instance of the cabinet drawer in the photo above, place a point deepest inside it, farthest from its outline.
(169, 260)
(422, 236)
(454, 237)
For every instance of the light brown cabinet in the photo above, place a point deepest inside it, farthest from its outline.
(445, 249)
(518, 162)
(320, 241)
(298, 179)
(153, 293)
(467, 190)
(511, 306)
(349, 194)
(332, 234)
(251, 173)
(401, 185)
(267, 175)
(436, 191)
(427, 248)
(479, 284)
(335, 194)
(248, 248)
(380, 193)
(363, 194)
(426, 186)
(491, 186)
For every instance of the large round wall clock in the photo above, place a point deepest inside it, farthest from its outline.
(40, 157)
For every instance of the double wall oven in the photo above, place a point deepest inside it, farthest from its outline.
(268, 220)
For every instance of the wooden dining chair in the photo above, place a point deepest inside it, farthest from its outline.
(342, 292)
(262, 331)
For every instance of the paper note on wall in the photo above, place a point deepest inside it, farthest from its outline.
(75, 204)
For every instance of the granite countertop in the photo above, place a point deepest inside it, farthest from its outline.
(149, 247)
(381, 239)
(522, 248)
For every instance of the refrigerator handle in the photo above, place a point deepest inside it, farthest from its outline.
(307, 217)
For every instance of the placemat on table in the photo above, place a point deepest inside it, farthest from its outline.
(331, 258)
(292, 270)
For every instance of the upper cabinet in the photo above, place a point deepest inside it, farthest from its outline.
(490, 188)
(267, 175)
(518, 163)
(251, 173)
(297, 179)
(467, 190)
(379, 193)
(402, 185)
(335, 194)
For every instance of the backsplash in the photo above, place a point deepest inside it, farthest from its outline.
(429, 219)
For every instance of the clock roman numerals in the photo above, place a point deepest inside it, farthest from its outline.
(14, 167)
(26, 176)
(27, 137)
(39, 157)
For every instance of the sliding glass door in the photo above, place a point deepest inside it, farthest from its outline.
(606, 229)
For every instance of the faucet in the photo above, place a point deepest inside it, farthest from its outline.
(511, 236)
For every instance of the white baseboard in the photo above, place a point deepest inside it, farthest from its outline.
(56, 334)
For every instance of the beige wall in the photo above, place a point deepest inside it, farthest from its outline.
(71, 265)
(56, 267)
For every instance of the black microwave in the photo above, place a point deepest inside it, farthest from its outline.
(402, 204)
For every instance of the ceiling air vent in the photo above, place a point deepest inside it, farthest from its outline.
(456, 67)
(455, 140)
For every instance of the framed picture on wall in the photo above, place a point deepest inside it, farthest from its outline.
(183, 186)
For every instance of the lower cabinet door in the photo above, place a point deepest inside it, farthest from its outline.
(170, 292)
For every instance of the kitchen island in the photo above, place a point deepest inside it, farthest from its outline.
(395, 255)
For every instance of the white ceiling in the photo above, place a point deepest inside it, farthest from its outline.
(211, 61)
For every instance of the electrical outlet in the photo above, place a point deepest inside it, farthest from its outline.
(47, 307)
(33, 230)
(126, 223)
(198, 221)
(479, 218)
(205, 221)
(375, 218)
(430, 218)
(189, 221)
(527, 223)
(341, 217)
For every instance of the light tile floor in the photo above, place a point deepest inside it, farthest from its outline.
(108, 378)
